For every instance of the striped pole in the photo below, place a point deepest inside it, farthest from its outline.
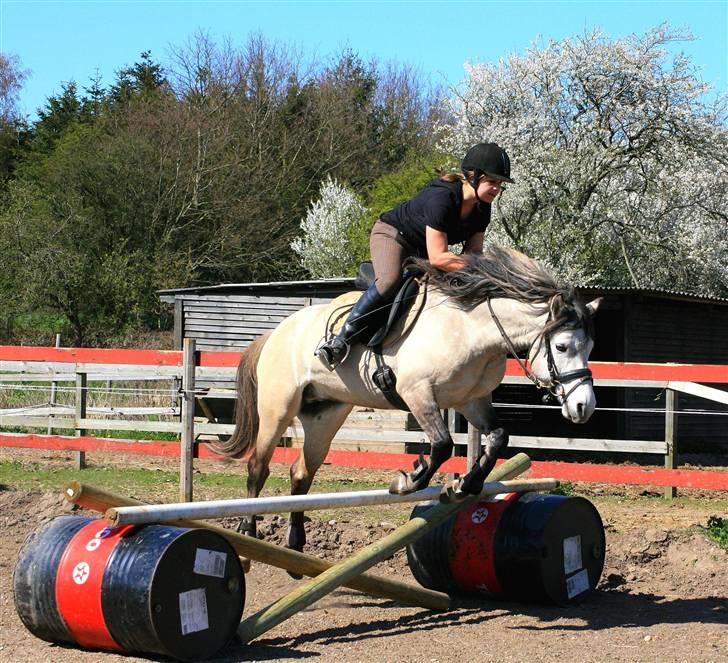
(161, 513)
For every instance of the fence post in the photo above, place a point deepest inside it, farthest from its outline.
(671, 399)
(188, 420)
(54, 389)
(79, 457)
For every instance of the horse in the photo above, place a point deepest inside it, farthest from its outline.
(448, 352)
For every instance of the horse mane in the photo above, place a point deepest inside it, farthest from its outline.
(501, 272)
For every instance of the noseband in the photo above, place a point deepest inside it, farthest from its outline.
(555, 388)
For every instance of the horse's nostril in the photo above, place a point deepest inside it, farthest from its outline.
(580, 409)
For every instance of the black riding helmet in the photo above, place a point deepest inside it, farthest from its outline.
(490, 160)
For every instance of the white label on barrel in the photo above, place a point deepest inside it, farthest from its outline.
(577, 584)
(210, 562)
(572, 554)
(193, 611)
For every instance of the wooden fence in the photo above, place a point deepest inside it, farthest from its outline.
(185, 369)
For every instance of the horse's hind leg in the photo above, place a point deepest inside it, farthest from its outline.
(319, 421)
(276, 414)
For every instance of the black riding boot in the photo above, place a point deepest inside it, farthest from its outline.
(333, 351)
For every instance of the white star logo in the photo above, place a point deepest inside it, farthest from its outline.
(479, 516)
(81, 573)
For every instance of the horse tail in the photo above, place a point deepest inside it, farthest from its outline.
(246, 406)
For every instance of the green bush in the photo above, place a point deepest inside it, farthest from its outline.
(718, 530)
(393, 188)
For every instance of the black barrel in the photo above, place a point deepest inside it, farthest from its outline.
(155, 589)
(529, 547)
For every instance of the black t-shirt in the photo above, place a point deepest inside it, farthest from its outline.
(438, 206)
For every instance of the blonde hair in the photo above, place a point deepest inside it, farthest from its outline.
(464, 176)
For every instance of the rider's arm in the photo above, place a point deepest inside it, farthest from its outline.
(438, 253)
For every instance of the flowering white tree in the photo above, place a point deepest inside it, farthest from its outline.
(619, 162)
(325, 248)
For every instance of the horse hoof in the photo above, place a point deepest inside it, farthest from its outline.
(402, 485)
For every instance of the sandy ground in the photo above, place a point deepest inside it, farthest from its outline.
(663, 596)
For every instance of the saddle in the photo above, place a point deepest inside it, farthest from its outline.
(382, 322)
(378, 329)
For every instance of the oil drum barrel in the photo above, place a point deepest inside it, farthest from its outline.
(155, 589)
(528, 547)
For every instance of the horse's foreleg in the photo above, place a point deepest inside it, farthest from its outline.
(441, 445)
(481, 414)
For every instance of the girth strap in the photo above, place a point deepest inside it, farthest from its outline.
(386, 380)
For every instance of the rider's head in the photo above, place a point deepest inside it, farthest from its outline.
(486, 160)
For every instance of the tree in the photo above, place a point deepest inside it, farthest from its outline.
(620, 163)
(12, 125)
(325, 249)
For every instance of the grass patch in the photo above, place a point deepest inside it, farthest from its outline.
(565, 488)
(718, 530)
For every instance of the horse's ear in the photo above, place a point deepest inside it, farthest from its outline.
(593, 305)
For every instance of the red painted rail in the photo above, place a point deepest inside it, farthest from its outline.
(611, 474)
(706, 373)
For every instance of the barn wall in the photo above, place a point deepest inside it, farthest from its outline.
(665, 330)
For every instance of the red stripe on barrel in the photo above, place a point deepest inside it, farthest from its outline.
(472, 545)
(79, 581)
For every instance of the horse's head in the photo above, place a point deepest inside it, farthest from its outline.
(559, 357)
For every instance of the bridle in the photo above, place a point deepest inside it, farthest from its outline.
(555, 388)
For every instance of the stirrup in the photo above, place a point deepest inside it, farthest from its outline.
(329, 356)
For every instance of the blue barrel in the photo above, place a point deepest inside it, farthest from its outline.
(527, 547)
(154, 589)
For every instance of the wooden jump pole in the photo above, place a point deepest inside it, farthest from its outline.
(99, 500)
(160, 513)
(345, 571)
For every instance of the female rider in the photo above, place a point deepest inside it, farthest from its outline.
(451, 210)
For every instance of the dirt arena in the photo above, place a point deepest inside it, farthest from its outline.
(663, 596)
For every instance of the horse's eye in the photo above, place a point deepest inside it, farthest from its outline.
(561, 347)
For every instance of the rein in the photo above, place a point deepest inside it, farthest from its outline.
(557, 380)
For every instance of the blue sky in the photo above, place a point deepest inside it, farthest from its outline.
(62, 40)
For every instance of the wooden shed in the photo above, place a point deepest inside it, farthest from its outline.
(633, 325)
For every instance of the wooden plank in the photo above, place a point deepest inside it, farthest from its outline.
(709, 393)
(576, 444)
(71, 377)
(247, 316)
(210, 330)
(116, 424)
(90, 355)
(108, 411)
(678, 372)
(244, 299)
